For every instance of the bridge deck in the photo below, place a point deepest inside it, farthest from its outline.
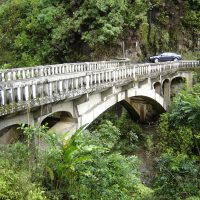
(25, 88)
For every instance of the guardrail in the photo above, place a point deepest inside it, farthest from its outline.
(21, 94)
(51, 70)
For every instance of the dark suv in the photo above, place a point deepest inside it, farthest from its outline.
(163, 57)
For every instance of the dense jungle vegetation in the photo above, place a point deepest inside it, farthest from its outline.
(37, 32)
(103, 161)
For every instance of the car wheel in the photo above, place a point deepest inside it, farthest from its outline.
(156, 60)
(175, 59)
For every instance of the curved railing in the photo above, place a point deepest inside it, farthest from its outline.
(66, 68)
(51, 70)
(33, 91)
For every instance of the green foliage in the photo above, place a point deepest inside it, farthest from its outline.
(186, 108)
(130, 132)
(105, 19)
(192, 17)
(15, 177)
(193, 198)
(23, 166)
(41, 32)
(45, 32)
(87, 166)
(18, 185)
(179, 130)
(174, 138)
(103, 173)
(107, 135)
(179, 140)
(178, 177)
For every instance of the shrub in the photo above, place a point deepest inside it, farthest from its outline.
(178, 176)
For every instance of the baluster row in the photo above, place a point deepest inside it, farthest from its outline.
(33, 91)
(49, 70)
(40, 90)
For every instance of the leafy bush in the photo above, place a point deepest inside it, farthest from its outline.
(178, 176)
(177, 139)
(130, 132)
(90, 168)
(15, 176)
(104, 173)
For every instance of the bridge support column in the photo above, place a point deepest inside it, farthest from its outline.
(189, 80)
(141, 107)
(167, 92)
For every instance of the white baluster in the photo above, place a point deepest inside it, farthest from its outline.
(99, 78)
(19, 94)
(34, 91)
(26, 92)
(3, 99)
(24, 74)
(14, 75)
(87, 82)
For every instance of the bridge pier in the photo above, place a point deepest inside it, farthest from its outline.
(166, 88)
(189, 79)
(142, 107)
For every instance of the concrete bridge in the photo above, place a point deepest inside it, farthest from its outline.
(67, 96)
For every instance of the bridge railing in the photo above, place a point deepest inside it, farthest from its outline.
(19, 95)
(151, 68)
(51, 70)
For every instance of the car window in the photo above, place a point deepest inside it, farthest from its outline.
(164, 54)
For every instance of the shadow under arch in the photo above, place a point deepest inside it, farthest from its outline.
(159, 108)
(165, 84)
(129, 108)
(179, 79)
(157, 87)
(11, 134)
(55, 117)
(148, 108)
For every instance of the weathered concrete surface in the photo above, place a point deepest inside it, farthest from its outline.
(10, 135)
(65, 127)
(87, 92)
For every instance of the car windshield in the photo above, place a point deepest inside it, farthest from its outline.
(167, 54)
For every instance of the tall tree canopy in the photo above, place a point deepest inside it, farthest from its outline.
(35, 32)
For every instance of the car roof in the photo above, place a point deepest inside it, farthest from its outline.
(172, 53)
(169, 52)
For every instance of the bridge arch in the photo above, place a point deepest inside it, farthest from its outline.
(135, 105)
(177, 84)
(147, 107)
(158, 88)
(64, 108)
(52, 118)
(61, 122)
(11, 134)
(26, 118)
